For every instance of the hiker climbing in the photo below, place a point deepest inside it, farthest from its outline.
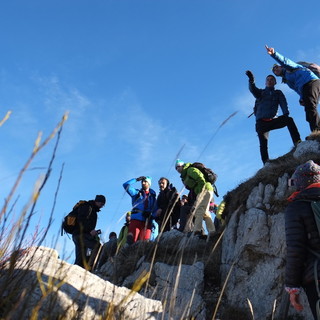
(303, 81)
(108, 250)
(168, 204)
(85, 236)
(143, 209)
(266, 109)
(302, 237)
(195, 180)
(122, 239)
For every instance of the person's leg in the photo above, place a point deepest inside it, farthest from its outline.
(263, 136)
(310, 94)
(145, 233)
(293, 130)
(202, 211)
(133, 231)
(313, 298)
(79, 250)
(285, 121)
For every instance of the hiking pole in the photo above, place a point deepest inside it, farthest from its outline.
(250, 114)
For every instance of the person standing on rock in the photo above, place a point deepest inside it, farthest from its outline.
(302, 238)
(85, 236)
(303, 81)
(194, 179)
(168, 203)
(143, 211)
(266, 109)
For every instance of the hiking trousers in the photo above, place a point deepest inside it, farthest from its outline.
(264, 127)
(82, 243)
(312, 295)
(310, 97)
(202, 212)
(139, 230)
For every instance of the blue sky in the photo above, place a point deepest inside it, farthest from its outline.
(141, 79)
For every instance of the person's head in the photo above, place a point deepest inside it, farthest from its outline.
(112, 235)
(270, 81)
(184, 199)
(277, 70)
(128, 217)
(304, 175)
(163, 183)
(100, 200)
(179, 165)
(146, 183)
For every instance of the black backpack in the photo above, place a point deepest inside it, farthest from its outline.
(209, 175)
(70, 220)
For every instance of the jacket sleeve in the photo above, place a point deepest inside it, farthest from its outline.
(283, 103)
(128, 186)
(296, 239)
(254, 90)
(285, 62)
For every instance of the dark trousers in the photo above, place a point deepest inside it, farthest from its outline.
(186, 219)
(312, 294)
(310, 97)
(82, 243)
(264, 127)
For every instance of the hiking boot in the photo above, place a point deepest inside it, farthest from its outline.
(200, 235)
(297, 142)
(211, 236)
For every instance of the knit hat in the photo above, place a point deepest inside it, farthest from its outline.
(306, 174)
(179, 163)
(148, 179)
(100, 198)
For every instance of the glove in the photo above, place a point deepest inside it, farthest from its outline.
(250, 76)
(141, 178)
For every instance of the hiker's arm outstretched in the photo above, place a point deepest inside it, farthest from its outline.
(283, 61)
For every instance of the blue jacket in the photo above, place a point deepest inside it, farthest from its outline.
(295, 75)
(138, 198)
(267, 102)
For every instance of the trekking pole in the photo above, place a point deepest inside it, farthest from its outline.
(250, 114)
(284, 306)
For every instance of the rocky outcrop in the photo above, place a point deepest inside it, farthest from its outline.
(253, 247)
(236, 275)
(44, 287)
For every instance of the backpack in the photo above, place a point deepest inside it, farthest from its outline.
(312, 66)
(209, 175)
(70, 220)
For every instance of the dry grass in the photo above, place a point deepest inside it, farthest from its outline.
(269, 174)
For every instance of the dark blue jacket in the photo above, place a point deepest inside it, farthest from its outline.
(267, 102)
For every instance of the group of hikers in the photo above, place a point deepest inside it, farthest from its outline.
(186, 213)
(168, 209)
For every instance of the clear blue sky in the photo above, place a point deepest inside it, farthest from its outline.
(141, 79)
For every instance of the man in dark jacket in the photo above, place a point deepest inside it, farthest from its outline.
(85, 237)
(266, 109)
(168, 203)
(302, 236)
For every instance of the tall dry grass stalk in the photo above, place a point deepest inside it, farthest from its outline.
(13, 233)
